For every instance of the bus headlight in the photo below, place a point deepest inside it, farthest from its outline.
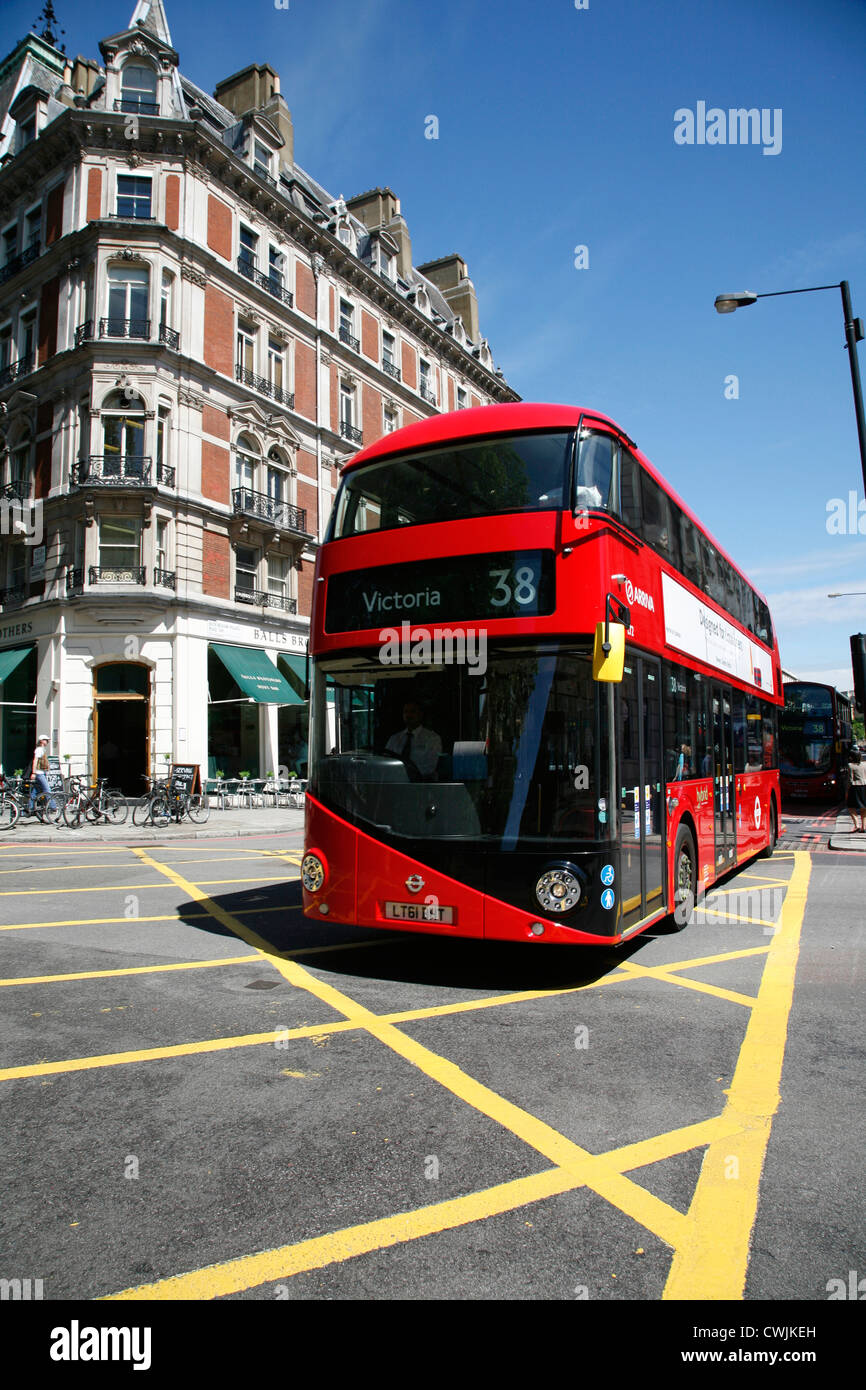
(312, 873)
(559, 888)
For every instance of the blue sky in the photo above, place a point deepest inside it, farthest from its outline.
(556, 130)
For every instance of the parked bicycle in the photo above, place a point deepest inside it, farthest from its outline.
(162, 803)
(94, 804)
(47, 807)
(8, 807)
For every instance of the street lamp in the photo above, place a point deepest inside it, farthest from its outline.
(740, 299)
(856, 593)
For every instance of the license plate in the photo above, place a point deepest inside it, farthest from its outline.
(418, 912)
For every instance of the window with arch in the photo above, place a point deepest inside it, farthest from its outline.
(122, 440)
(247, 460)
(138, 87)
(277, 483)
(128, 300)
(21, 467)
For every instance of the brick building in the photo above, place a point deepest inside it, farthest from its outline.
(194, 335)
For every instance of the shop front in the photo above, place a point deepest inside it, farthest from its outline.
(18, 673)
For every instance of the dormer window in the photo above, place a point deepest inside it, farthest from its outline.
(262, 161)
(387, 263)
(27, 131)
(138, 87)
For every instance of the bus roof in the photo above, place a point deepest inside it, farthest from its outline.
(508, 419)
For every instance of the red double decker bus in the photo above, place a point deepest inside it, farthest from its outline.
(814, 742)
(468, 774)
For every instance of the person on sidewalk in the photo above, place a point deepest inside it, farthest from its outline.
(857, 789)
(39, 775)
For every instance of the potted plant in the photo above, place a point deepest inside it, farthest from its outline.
(220, 774)
(244, 776)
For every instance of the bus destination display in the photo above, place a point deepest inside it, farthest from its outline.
(457, 588)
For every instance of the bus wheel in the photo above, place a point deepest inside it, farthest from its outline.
(685, 878)
(768, 852)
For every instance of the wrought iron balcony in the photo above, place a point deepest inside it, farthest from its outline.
(164, 475)
(137, 106)
(75, 579)
(124, 328)
(272, 283)
(427, 395)
(391, 370)
(282, 515)
(117, 574)
(12, 267)
(263, 174)
(23, 367)
(262, 599)
(169, 336)
(15, 490)
(267, 388)
(351, 432)
(349, 339)
(13, 596)
(84, 332)
(113, 470)
(165, 578)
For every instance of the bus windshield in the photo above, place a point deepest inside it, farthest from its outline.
(510, 757)
(517, 473)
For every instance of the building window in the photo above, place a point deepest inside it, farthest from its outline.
(390, 421)
(278, 576)
(277, 484)
(27, 337)
(20, 473)
(246, 564)
(10, 244)
(276, 267)
(133, 196)
(5, 346)
(246, 347)
(461, 397)
(246, 463)
(347, 405)
(33, 229)
(122, 437)
(276, 364)
(162, 533)
(17, 567)
(387, 263)
(138, 85)
(166, 295)
(388, 349)
(262, 160)
(128, 296)
(162, 437)
(347, 323)
(119, 543)
(27, 131)
(248, 241)
(426, 382)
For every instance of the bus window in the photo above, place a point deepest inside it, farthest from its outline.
(690, 552)
(629, 491)
(712, 577)
(754, 734)
(657, 529)
(701, 760)
(739, 708)
(595, 471)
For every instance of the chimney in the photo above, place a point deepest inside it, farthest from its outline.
(257, 88)
(451, 278)
(379, 210)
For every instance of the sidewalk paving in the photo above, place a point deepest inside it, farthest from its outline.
(845, 837)
(242, 822)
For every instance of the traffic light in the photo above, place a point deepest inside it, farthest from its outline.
(858, 661)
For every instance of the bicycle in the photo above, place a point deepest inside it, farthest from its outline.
(183, 803)
(8, 807)
(95, 804)
(48, 808)
(153, 807)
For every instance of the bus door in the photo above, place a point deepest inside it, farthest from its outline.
(723, 776)
(641, 820)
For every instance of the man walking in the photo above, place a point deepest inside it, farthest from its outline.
(39, 775)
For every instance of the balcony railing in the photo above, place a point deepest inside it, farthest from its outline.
(266, 600)
(84, 332)
(427, 395)
(164, 475)
(263, 174)
(349, 339)
(113, 470)
(169, 336)
(138, 106)
(23, 367)
(165, 578)
(272, 283)
(391, 370)
(12, 267)
(13, 596)
(351, 432)
(280, 514)
(75, 579)
(14, 491)
(124, 328)
(117, 574)
(267, 388)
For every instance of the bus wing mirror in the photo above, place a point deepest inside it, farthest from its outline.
(608, 652)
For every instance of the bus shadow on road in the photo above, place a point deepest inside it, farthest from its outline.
(274, 914)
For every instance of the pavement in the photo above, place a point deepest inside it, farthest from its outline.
(232, 822)
(844, 836)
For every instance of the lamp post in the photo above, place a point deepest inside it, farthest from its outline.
(856, 593)
(727, 303)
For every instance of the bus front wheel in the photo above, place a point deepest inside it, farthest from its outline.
(767, 852)
(685, 877)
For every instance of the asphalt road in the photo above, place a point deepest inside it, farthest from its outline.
(208, 1097)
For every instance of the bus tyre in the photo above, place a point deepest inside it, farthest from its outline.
(685, 878)
(767, 853)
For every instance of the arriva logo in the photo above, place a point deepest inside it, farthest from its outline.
(639, 596)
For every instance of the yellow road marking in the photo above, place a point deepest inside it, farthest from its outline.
(635, 1201)
(67, 868)
(132, 887)
(713, 1260)
(160, 917)
(663, 973)
(738, 917)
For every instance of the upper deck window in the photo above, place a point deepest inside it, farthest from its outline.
(516, 473)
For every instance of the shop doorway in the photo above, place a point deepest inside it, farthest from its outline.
(121, 725)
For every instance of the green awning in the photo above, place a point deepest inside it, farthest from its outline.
(11, 658)
(295, 671)
(255, 674)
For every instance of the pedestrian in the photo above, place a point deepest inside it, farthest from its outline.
(39, 774)
(857, 789)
